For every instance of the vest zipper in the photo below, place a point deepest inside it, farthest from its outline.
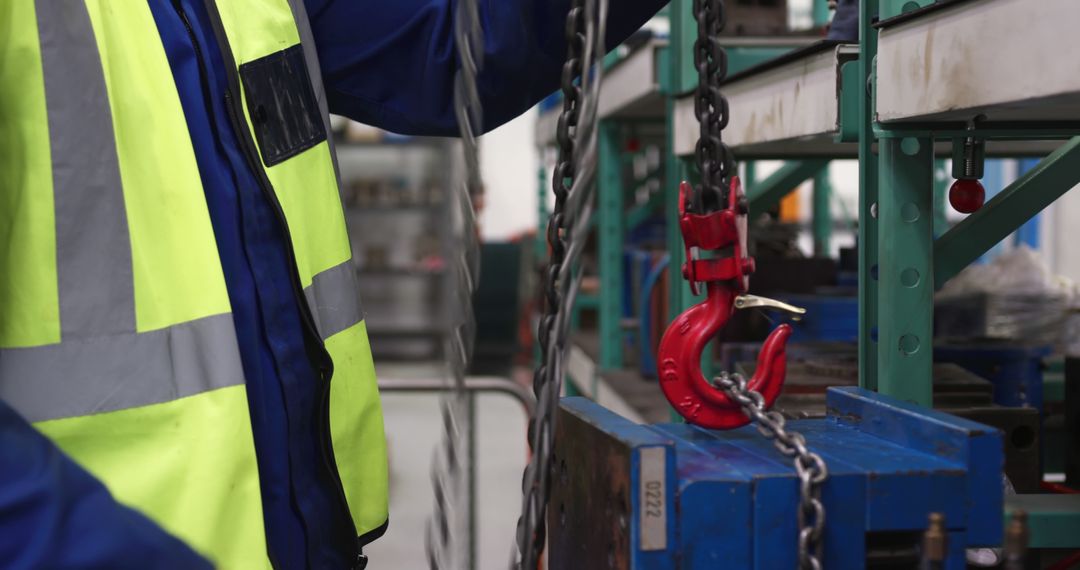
(314, 346)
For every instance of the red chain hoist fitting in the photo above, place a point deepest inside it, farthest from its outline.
(967, 195)
(725, 279)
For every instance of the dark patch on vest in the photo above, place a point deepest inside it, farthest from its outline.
(281, 105)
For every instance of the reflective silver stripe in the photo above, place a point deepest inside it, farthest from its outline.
(335, 300)
(311, 57)
(82, 377)
(333, 295)
(93, 249)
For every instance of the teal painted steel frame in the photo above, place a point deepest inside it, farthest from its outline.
(681, 76)
(1007, 211)
(822, 213)
(765, 195)
(905, 242)
(609, 186)
(541, 246)
(868, 197)
(893, 8)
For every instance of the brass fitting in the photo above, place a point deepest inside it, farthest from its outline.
(936, 539)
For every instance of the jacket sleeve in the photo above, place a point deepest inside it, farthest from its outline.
(391, 63)
(53, 514)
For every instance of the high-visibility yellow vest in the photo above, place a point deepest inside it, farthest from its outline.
(116, 333)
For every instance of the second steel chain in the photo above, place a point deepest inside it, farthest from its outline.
(448, 536)
(716, 166)
(531, 533)
(567, 232)
(809, 466)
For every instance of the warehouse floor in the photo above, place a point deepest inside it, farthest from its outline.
(413, 429)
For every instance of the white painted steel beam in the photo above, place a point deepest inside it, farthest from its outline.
(791, 109)
(1012, 60)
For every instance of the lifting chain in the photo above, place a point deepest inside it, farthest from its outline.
(447, 542)
(711, 109)
(716, 166)
(568, 226)
(809, 466)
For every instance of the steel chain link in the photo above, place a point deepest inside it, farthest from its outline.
(568, 226)
(809, 466)
(531, 533)
(716, 166)
(447, 541)
(714, 159)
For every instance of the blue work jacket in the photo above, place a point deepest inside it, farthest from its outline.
(384, 63)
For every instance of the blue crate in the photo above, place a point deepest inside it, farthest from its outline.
(674, 496)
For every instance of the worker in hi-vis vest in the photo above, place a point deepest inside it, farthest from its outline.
(181, 339)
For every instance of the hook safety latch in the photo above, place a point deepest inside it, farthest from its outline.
(755, 302)
(726, 280)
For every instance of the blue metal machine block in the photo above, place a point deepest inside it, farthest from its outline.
(1015, 369)
(675, 496)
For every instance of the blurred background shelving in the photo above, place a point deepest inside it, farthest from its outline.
(394, 190)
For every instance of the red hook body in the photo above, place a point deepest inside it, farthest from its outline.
(679, 354)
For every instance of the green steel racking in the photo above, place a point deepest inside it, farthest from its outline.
(901, 101)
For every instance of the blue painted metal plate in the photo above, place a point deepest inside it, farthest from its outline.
(730, 497)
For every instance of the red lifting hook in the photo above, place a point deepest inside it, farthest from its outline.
(726, 281)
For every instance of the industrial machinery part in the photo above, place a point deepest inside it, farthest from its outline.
(713, 218)
(678, 496)
(967, 194)
(1017, 537)
(679, 355)
(812, 368)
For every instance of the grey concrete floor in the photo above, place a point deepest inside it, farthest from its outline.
(413, 430)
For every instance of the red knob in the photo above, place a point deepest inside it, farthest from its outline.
(967, 196)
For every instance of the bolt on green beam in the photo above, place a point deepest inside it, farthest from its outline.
(1007, 211)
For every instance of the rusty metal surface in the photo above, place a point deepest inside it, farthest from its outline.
(589, 514)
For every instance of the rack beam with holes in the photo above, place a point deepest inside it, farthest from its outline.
(941, 81)
(946, 77)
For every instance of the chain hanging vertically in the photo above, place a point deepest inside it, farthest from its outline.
(716, 167)
(448, 540)
(573, 185)
(711, 108)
